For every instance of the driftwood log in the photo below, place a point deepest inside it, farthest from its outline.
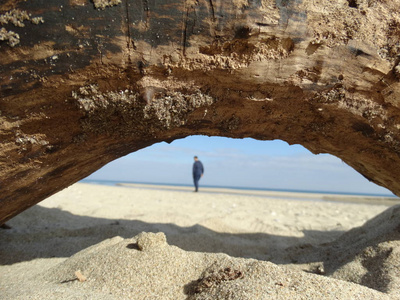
(85, 82)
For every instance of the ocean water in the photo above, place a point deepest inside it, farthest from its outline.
(115, 183)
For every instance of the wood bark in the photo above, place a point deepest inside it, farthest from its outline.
(83, 83)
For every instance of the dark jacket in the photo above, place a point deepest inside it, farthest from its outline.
(198, 168)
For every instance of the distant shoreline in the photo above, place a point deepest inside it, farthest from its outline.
(288, 195)
(239, 188)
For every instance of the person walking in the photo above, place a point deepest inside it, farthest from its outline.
(198, 171)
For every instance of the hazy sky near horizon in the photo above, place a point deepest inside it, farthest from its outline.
(238, 163)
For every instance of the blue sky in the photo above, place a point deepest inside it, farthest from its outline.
(238, 163)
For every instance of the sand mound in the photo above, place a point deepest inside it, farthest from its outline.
(78, 245)
(146, 267)
(370, 254)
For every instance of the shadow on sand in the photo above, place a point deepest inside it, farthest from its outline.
(51, 232)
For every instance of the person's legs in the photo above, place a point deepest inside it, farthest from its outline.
(196, 182)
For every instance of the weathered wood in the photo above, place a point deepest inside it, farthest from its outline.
(88, 85)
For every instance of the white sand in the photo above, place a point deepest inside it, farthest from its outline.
(94, 229)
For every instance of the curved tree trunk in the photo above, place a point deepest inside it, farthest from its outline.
(83, 83)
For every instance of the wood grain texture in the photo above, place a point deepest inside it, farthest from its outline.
(88, 85)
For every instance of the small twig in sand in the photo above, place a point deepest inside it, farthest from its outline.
(80, 276)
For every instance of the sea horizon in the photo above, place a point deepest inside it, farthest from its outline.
(121, 182)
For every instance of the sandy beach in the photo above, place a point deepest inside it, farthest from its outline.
(154, 242)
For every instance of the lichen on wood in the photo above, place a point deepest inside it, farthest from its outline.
(17, 18)
(102, 4)
(11, 37)
(152, 107)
